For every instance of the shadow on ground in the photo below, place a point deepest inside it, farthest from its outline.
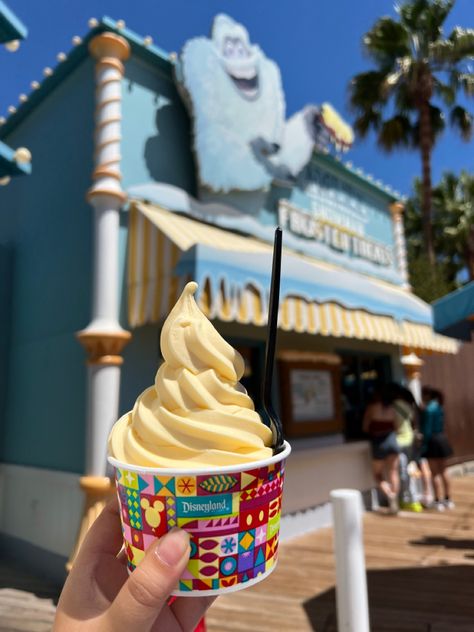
(423, 599)
(447, 543)
(18, 577)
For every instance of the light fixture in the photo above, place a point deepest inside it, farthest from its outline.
(148, 40)
(35, 85)
(12, 109)
(76, 40)
(12, 46)
(47, 72)
(23, 98)
(22, 156)
(4, 181)
(121, 24)
(93, 22)
(61, 56)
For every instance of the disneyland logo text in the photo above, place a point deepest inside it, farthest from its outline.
(339, 238)
(207, 507)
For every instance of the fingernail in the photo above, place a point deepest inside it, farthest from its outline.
(172, 547)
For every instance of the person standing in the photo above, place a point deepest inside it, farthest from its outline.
(406, 413)
(436, 447)
(379, 423)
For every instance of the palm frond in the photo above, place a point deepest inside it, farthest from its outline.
(462, 120)
(395, 132)
(459, 46)
(425, 19)
(411, 12)
(462, 80)
(466, 80)
(370, 119)
(445, 91)
(436, 15)
(387, 41)
(367, 89)
(403, 98)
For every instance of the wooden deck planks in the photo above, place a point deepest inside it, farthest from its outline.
(420, 577)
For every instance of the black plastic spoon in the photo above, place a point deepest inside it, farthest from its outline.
(272, 417)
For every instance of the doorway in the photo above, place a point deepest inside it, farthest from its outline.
(360, 375)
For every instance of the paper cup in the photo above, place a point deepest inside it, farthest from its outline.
(232, 514)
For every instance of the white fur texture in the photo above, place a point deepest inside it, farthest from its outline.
(241, 142)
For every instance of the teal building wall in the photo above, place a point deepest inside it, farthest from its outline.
(45, 223)
(156, 146)
(46, 257)
(156, 133)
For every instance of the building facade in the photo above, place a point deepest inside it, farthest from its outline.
(193, 164)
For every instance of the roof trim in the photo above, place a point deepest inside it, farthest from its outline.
(11, 27)
(74, 58)
(8, 165)
(358, 176)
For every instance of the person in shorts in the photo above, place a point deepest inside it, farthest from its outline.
(406, 414)
(380, 424)
(436, 447)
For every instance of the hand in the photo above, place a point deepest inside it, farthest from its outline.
(99, 596)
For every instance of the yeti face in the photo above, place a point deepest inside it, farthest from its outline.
(237, 56)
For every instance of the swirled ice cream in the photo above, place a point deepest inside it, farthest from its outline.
(197, 414)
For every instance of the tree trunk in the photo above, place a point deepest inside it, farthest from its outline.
(425, 147)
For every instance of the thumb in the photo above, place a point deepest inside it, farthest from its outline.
(146, 591)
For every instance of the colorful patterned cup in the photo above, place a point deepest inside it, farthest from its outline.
(232, 514)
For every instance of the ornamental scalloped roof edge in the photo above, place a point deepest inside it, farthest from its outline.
(143, 47)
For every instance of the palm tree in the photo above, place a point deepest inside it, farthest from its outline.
(453, 233)
(453, 201)
(417, 71)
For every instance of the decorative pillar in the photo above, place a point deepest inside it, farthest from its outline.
(104, 338)
(412, 365)
(397, 208)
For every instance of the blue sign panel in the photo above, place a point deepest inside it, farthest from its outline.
(202, 506)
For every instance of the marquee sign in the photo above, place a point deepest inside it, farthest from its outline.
(342, 239)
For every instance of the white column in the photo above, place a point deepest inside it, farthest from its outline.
(412, 365)
(397, 209)
(351, 579)
(104, 338)
(102, 379)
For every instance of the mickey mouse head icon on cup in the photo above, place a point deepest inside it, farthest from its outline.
(153, 513)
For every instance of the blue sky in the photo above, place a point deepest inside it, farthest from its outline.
(316, 44)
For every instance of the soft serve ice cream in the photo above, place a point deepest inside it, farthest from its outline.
(197, 414)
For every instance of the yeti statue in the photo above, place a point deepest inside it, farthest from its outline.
(234, 94)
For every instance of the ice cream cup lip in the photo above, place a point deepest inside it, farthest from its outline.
(224, 469)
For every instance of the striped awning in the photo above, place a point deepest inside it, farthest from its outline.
(162, 246)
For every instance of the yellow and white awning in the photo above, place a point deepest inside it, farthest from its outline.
(159, 238)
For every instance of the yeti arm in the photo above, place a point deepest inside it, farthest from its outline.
(297, 143)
